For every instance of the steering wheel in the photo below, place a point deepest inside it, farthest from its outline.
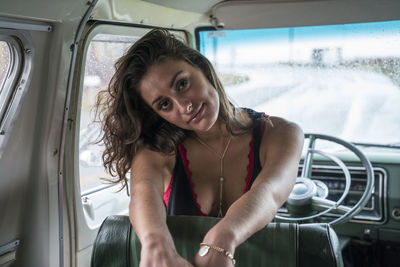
(311, 194)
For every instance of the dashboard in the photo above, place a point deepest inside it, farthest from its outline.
(332, 177)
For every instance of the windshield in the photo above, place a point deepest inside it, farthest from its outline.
(341, 80)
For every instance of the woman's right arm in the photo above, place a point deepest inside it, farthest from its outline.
(147, 211)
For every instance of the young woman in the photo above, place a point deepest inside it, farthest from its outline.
(191, 152)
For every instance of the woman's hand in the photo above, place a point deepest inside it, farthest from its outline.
(160, 253)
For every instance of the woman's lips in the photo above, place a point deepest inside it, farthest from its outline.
(197, 114)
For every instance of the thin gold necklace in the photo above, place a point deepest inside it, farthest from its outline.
(221, 177)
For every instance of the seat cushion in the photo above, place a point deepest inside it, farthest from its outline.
(278, 244)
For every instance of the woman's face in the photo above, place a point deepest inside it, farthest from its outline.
(181, 94)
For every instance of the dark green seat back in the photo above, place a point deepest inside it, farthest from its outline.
(279, 244)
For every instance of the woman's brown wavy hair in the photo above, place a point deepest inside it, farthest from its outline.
(128, 123)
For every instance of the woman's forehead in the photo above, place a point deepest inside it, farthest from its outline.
(160, 77)
(161, 73)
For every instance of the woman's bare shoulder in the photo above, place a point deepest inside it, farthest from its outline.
(280, 125)
(148, 160)
(279, 131)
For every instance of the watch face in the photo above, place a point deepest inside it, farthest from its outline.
(203, 250)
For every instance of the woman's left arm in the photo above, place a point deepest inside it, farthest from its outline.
(280, 154)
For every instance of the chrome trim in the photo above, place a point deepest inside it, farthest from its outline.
(382, 195)
(8, 253)
(16, 25)
(9, 247)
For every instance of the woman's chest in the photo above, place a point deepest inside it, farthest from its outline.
(221, 178)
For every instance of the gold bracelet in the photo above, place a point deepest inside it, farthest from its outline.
(204, 248)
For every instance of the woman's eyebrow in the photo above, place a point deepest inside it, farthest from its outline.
(174, 78)
(156, 100)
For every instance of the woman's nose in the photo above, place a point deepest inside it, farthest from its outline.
(185, 105)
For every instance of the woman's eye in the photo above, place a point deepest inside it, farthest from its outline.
(164, 105)
(182, 84)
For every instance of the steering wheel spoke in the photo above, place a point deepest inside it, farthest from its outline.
(322, 204)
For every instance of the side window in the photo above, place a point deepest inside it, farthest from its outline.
(102, 53)
(99, 197)
(15, 70)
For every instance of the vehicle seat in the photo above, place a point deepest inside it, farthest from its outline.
(278, 244)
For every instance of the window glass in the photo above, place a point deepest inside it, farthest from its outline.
(341, 80)
(4, 62)
(102, 53)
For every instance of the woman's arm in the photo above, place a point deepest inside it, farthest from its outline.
(147, 211)
(280, 150)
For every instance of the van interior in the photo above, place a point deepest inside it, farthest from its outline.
(331, 66)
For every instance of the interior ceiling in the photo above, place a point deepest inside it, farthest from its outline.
(198, 6)
(204, 6)
(43, 10)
